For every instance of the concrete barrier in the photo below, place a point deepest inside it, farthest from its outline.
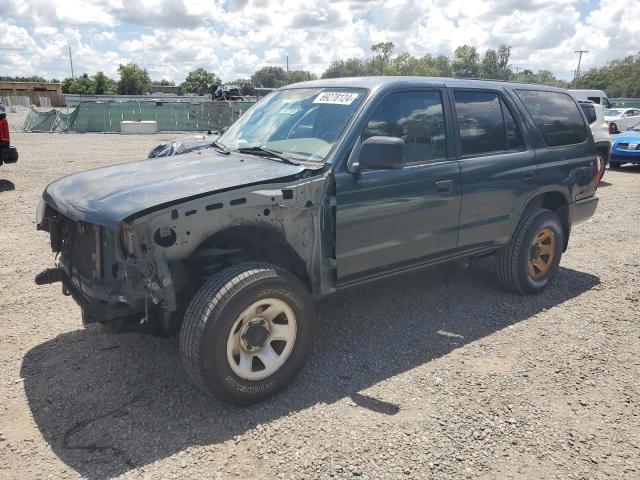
(128, 127)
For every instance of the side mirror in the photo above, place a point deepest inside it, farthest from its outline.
(377, 153)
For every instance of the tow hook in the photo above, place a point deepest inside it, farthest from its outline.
(48, 276)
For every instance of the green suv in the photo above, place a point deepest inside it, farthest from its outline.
(320, 186)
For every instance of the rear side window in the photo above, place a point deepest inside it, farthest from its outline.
(594, 99)
(485, 123)
(556, 115)
(415, 117)
(589, 111)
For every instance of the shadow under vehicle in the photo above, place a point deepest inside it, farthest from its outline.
(109, 403)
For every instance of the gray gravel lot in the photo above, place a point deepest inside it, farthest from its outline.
(435, 374)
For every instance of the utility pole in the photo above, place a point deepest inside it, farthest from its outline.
(287, 66)
(575, 78)
(71, 61)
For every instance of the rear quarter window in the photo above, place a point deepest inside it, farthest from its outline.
(556, 115)
(589, 112)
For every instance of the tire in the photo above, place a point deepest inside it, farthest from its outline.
(515, 270)
(212, 337)
(602, 160)
(614, 127)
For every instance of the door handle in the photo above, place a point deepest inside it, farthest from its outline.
(528, 175)
(444, 186)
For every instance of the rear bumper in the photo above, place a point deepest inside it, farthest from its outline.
(582, 210)
(8, 155)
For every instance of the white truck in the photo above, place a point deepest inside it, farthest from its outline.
(595, 96)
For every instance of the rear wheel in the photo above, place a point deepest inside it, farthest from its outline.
(602, 164)
(528, 263)
(247, 332)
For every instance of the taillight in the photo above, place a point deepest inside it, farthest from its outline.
(4, 130)
(599, 169)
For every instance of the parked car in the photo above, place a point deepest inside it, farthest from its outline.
(626, 148)
(321, 186)
(600, 131)
(595, 96)
(620, 119)
(8, 154)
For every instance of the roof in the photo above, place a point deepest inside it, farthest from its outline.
(374, 83)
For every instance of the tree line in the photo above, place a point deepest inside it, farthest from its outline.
(619, 78)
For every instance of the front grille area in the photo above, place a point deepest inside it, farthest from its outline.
(625, 146)
(85, 249)
(78, 244)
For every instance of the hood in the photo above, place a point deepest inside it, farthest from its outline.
(108, 195)
(627, 137)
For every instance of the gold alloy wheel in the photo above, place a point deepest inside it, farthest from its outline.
(542, 253)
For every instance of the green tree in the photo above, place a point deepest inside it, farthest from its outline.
(504, 54)
(381, 60)
(489, 67)
(32, 78)
(296, 76)
(104, 85)
(465, 63)
(134, 80)
(619, 78)
(164, 83)
(269, 77)
(199, 81)
(443, 66)
(352, 67)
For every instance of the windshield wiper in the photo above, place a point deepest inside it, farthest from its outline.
(266, 152)
(220, 147)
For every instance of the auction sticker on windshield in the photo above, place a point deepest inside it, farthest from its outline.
(336, 98)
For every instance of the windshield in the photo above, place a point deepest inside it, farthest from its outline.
(302, 123)
(612, 112)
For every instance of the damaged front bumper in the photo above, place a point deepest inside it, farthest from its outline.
(108, 302)
(105, 283)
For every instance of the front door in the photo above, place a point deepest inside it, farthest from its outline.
(388, 219)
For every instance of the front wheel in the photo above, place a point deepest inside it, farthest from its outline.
(247, 332)
(528, 263)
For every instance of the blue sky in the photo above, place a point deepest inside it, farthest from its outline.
(235, 37)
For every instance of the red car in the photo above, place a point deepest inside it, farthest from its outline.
(8, 154)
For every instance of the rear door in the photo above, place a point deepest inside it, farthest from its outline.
(394, 218)
(497, 167)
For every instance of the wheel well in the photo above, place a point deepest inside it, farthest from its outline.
(249, 243)
(556, 202)
(604, 151)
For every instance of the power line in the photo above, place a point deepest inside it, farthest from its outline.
(577, 74)
(71, 61)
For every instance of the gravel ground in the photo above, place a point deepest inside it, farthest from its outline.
(435, 374)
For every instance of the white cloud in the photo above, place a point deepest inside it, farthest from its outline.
(235, 37)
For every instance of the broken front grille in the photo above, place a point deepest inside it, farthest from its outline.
(78, 244)
(85, 250)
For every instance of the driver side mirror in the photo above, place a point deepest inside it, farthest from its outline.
(377, 153)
